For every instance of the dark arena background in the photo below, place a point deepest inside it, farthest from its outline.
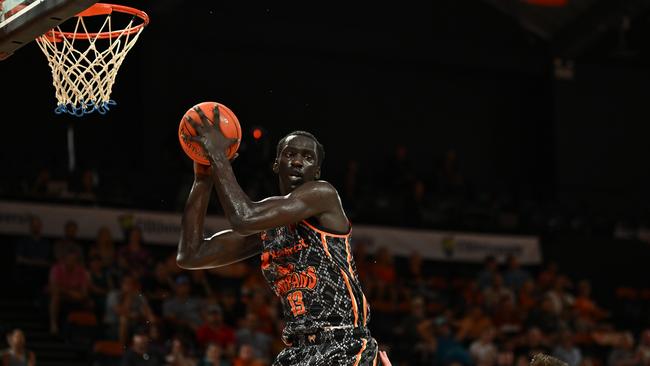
(493, 157)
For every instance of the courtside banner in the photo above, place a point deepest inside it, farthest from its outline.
(164, 228)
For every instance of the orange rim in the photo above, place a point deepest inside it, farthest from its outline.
(102, 9)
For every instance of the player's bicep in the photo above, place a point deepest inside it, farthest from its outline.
(306, 201)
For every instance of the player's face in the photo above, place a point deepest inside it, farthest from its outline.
(297, 163)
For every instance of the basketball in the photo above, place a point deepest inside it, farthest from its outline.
(229, 127)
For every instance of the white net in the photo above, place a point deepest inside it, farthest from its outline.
(84, 68)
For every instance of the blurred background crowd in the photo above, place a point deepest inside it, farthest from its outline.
(132, 305)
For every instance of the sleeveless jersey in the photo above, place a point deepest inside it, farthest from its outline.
(313, 273)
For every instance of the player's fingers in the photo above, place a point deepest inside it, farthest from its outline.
(195, 125)
(234, 141)
(204, 118)
(234, 157)
(191, 138)
(217, 116)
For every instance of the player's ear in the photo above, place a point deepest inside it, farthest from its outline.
(276, 167)
(317, 174)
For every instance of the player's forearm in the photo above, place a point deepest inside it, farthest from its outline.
(236, 204)
(192, 222)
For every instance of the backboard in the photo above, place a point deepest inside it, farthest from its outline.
(21, 21)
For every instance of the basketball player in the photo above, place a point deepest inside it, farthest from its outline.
(304, 240)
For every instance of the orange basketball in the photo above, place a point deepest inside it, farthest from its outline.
(229, 126)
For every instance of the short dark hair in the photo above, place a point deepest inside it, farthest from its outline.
(320, 150)
(541, 359)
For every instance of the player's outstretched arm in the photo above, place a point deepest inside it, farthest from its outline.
(225, 247)
(247, 217)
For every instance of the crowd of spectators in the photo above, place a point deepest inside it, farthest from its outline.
(391, 191)
(133, 295)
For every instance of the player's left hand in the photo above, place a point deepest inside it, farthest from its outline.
(209, 135)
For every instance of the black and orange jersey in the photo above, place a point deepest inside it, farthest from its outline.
(313, 272)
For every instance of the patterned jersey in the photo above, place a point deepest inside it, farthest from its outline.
(313, 273)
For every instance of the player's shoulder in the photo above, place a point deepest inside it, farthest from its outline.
(319, 188)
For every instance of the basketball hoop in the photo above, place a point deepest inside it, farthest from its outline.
(84, 63)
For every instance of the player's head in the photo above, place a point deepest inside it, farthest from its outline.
(298, 159)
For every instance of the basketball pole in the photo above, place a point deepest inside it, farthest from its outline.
(71, 157)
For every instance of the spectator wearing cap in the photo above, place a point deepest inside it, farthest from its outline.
(17, 354)
(183, 311)
(213, 330)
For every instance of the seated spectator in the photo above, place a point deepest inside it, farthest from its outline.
(408, 333)
(104, 247)
(126, 309)
(250, 334)
(533, 343)
(200, 285)
(496, 292)
(515, 277)
(472, 295)
(528, 296)
(566, 350)
(473, 324)
(182, 311)
(483, 350)
(33, 255)
(561, 299)
(134, 253)
(643, 351)
(214, 331)
(547, 277)
(507, 318)
(68, 287)
(246, 357)
(100, 284)
(158, 286)
(88, 186)
(623, 353)
(383, 269)
(140, 354)
(17, 354)
(545, 318)
(213, 356)
(178, 355)
(486, 276)
(68, 243)
(585, 306)
(506, 353)
(450, 350)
